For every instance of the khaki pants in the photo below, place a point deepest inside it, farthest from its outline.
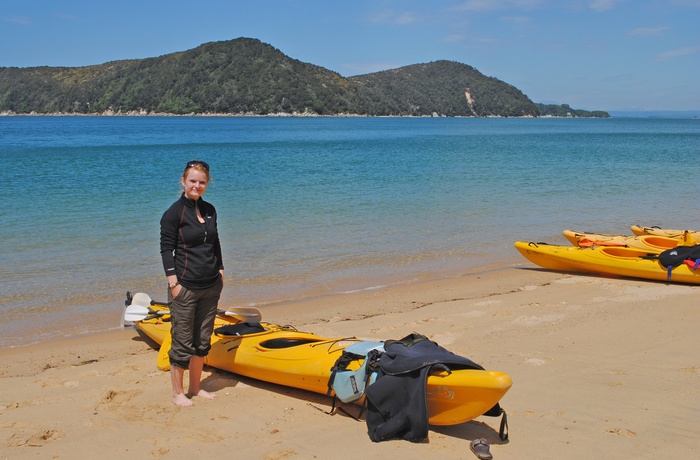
(192, 314)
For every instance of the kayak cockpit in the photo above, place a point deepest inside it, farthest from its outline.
(287, 342)
(241, 330)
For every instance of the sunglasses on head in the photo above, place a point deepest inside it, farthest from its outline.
(204, 164)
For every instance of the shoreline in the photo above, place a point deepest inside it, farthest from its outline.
(600, 366)
(103, 321)
(137, 113)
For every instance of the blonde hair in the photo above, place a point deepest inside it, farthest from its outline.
(199, 165)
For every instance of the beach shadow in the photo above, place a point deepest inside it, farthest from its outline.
(141, 337)
(472, 429)
(220, 380)
(605, 276)
(582, 274)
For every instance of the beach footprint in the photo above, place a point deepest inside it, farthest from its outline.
(120, 403)
(279, 454)
(36, 439)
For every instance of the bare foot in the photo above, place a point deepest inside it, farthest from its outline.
(206, 394)
(182, 401)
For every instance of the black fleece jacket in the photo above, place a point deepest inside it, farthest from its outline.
(191, 249)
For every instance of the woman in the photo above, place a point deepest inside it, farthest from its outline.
(191, 252)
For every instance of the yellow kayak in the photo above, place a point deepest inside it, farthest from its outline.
(285, 356)
(649, 243)
(606, 260)
(669, 233)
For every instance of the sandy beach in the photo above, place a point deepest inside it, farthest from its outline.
(600, 367)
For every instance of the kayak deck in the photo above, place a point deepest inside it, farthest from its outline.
(288, 357)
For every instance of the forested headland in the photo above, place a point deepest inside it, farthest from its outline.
(247, 77)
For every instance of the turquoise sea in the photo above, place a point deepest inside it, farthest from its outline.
(313, 206)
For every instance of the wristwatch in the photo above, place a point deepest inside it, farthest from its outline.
(172, 285)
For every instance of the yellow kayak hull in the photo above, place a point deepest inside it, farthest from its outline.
(604, 260)
(669, 233)
(303, 360)
(650, 243)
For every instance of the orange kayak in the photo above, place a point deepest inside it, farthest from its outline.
(649, 243)
(669, 233)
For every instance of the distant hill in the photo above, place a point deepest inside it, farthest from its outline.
(553, 110)
(445, 88)
(247, 77)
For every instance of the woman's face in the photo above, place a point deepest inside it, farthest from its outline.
(195, 183)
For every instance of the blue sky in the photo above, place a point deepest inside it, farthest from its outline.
(590, 54)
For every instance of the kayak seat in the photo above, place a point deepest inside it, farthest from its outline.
(239, 329)
(284, 342)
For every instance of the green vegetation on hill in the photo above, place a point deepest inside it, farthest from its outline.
(246, 76)
(441, 87)
(238, 76)
(553, 110)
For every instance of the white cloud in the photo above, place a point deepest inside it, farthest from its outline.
(405, 18)
(649, 31)
(66, 16)
(688, 3)
(19, 20)
(678, 52)
(480, 5)
(394, 17)
(603, 5)
(453, 38)
(518, 20)
(495, 5)
(619, 78)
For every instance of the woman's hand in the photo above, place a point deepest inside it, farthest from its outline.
(174, 285)
(175, 291)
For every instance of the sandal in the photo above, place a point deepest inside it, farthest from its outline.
(480, 447)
